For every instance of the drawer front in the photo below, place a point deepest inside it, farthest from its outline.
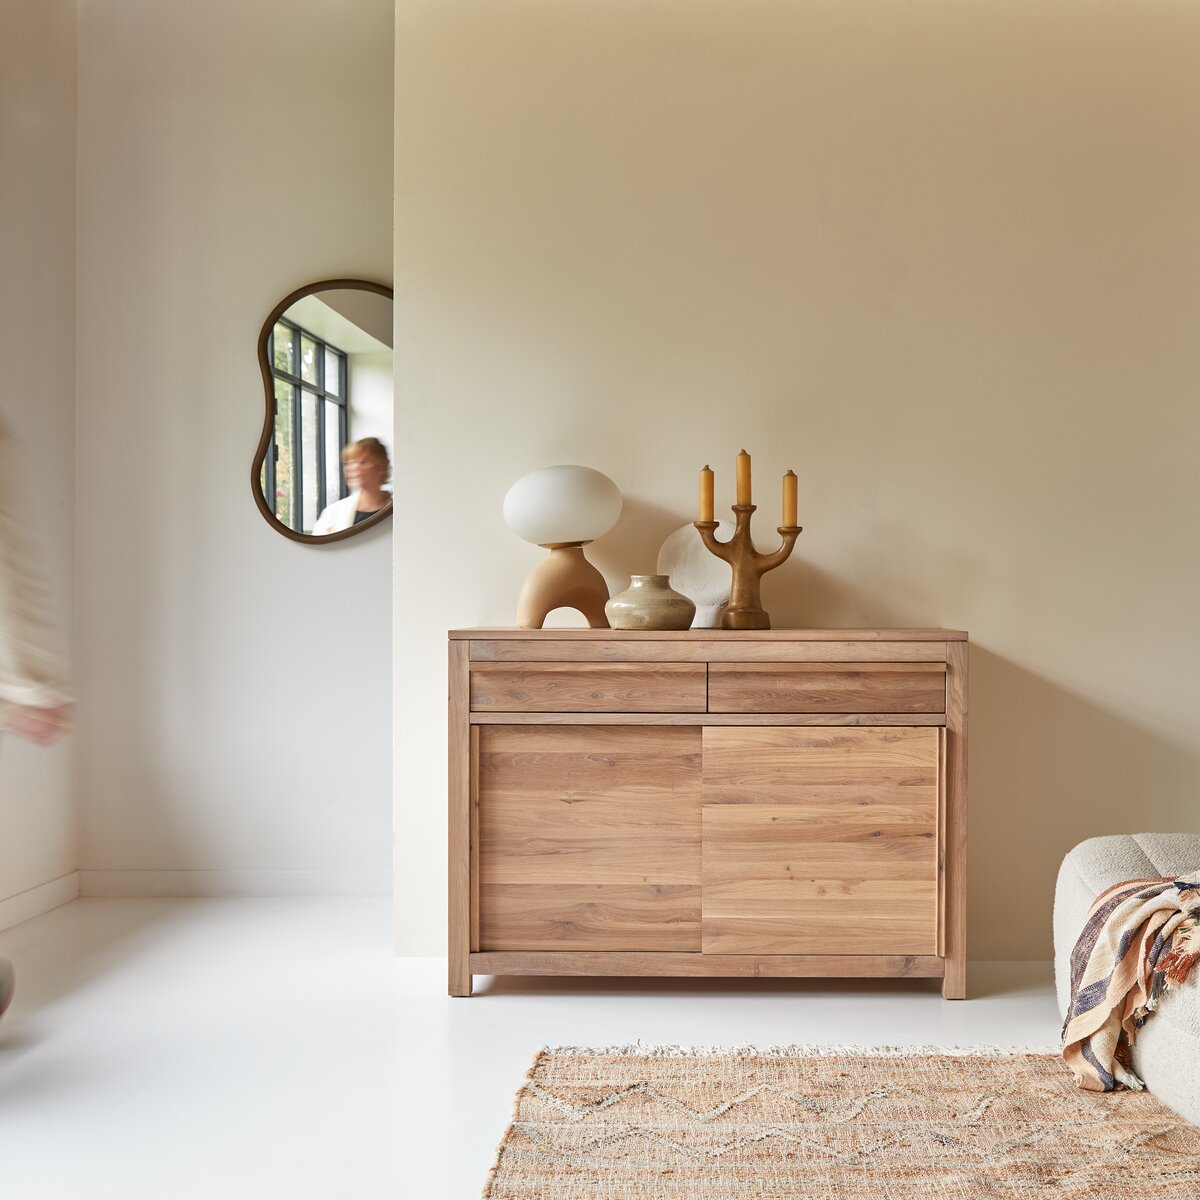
(827, 687)
(589, 687)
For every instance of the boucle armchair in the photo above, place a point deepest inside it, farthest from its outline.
(1167, 1051)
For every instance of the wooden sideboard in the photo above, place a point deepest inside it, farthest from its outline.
(787, 802)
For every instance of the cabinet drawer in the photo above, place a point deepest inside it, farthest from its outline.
(827, 687)
(588, 687)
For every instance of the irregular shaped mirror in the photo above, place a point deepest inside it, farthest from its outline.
(323, 463)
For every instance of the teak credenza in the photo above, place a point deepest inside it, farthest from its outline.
(786, 802)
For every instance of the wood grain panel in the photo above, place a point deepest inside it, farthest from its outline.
(747, 650)
(581, 916)
(755, 966)
(459, 864)
(474, 828)
(955, 836)
(941, 845)
(827, 688)
(709, 635)
(589, 687)
(589, 837)
(761, 765)
(820, 841)
(707, 719)
(818, 933)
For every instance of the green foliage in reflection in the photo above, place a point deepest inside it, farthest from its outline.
(284, 500)
(282, 357)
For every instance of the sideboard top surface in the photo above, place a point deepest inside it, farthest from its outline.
(715, 635)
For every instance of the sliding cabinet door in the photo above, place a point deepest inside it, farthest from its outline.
(820, 840)
(588, 837)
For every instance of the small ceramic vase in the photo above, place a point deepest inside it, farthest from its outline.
(649, 603)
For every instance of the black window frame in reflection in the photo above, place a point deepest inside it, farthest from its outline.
(299, 384)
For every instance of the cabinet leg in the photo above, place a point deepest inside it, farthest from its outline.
(954, 982)
(460, 978)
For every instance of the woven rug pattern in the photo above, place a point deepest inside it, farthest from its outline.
(919, 1123)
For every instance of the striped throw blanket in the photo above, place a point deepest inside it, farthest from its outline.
(1140, 937)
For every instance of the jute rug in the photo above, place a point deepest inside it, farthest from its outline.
(899, 1123)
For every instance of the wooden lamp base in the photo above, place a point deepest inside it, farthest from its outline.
(564, 579)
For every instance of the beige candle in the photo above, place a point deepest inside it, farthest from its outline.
(706, 493)
(789, 499)
(743, 478)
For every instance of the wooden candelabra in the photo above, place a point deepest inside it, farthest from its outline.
(745, 610)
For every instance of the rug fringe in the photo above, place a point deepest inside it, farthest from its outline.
(807, 1050)
(490, 1182)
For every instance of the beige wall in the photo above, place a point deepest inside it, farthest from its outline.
(37, 366)
(235, 716)
(943, 259)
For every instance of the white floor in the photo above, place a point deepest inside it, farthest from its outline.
(229, 1049)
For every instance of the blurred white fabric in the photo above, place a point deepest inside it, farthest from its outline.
(32, 672)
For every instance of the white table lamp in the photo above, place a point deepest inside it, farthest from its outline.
(562, 509)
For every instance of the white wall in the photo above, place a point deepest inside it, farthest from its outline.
(235, 715)
(37, 366)
(372, 387)
(941, 258)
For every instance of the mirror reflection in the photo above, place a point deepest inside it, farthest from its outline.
(328, 462)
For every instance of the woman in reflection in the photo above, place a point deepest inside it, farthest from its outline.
(367, 468)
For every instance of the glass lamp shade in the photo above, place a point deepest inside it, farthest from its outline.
(562, 504)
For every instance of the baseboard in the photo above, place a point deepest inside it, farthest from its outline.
(234, 883)
(37, 900)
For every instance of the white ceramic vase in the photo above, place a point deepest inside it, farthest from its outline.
(698, 573)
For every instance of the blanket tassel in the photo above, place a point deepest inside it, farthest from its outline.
(1184, 954)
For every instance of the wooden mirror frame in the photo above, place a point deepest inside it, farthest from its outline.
(264, 442)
